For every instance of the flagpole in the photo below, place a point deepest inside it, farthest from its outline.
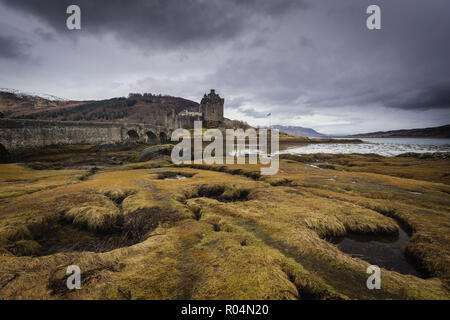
(270, 120)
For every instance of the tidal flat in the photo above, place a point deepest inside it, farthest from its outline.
(137, 230)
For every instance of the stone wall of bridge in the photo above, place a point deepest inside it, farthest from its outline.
(20, 135)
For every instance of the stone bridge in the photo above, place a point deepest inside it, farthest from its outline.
(20, 135)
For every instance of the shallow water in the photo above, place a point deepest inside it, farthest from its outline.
(410, 141)
(176, 177)
(381, 146)
(384, 251)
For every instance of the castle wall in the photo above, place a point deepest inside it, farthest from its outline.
(187, 122)
(211, 107)
(212, 112)
(21, 135)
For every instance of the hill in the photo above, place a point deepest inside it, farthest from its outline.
(434, 132)
(146, 108)
(14, 103)
(299, 131)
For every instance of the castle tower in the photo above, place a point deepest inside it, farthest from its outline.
(211, 107)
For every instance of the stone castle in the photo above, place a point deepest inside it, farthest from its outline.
(18, 135)
(210, 112)
(211, 107)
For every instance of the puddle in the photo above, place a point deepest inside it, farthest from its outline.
(176, 177)
(384, 251)
(173, 175)
(415, 192)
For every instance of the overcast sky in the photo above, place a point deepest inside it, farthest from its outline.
(311, 63)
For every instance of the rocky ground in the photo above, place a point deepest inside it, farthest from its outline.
(153, 230)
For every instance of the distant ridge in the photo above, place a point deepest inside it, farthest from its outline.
(299, 131)
(136, 108)
(433, 132)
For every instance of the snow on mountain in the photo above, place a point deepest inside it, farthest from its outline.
(32, 94)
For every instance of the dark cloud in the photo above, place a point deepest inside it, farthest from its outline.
(157, 23)
(44, 35)
(305, 41)
(433, 97)
(308, 62)
(342, 64)
(11, 48)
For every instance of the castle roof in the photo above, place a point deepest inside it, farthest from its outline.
(212, 97)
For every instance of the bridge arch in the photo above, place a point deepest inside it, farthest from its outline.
(133, 135)
(4, 154)
(151, 137)
(163, 137)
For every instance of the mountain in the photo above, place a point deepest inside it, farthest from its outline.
(14, 103)
(21, 94)
(299, 131)
(434, 132)
(147, 108)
